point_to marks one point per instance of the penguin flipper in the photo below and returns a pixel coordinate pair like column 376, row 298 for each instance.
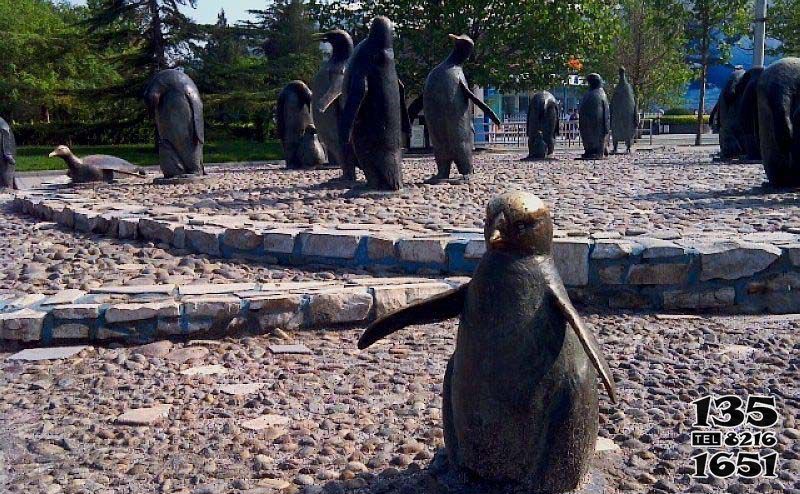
column 414, row 108
column 197, row 116
column 444, row 306
column 480, row 104
column 335, row 84
column 356, row 92
column 585, row 335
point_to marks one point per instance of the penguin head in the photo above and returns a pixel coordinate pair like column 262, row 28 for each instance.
column 622, row 74
column 60, row 152
column 518, row 222
column 381, row 32
column 341, row 42
column 595, row 81
column 462, row 48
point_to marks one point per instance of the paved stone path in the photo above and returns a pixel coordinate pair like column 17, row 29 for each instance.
column 350, row 421
column 675, row 188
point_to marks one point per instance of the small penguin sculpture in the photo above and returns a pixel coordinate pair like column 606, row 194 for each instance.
column 594, row 120
column 542, row 120
column 779, row 122
column 624, row 113
column 96, row 167
column 8, row 157
column 520, row 400
column 374, row 115
column 327, row 89
column 173, row 99
column 446, row 101
column 538, row 148
column 730, row 146
column 301, row 147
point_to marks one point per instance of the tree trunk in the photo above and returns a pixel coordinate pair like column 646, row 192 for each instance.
column 44, row 112
column 701, row 107
column 159, row 51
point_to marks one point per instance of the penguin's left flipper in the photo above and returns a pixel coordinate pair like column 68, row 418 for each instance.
column 444, row 306
column 335, row 85
column 585, row 335
column 480, row 104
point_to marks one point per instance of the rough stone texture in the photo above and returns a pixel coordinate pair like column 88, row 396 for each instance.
column 422, row 250
column 339, row 307
column 381, row 247
column 475, row 249
column 734, row 260
column 76, row 311
column 391, row 298
column 141, row 311
column 612, row 249
column 71, row 331
column 280, row 241
column 572, row 260
column 211, row 306
column 278, row 311
column 334, row 245
column 706, row 299
column 144, row 416
column 658, row 274
column 55, row 353
column 204, row 239
column 655, row 248
column 24, row 325
column 242, row 238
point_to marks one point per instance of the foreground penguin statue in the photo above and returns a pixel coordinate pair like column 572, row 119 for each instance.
column 374, row 115
column 624, row 113
column 174, row 100
column 446, row 101
column 779, row 121
column 729, row 145
column 96, row 167
column 301, row 147
column 520, row 401
column 327, row 88
column 747, row 113
column 542, row 119
column 594, row 120
column 8, row 157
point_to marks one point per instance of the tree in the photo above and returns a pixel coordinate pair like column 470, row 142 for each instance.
column 712, row 27
column 783, row 24
column 518, row 45
column 650, row 45
column 46, row 61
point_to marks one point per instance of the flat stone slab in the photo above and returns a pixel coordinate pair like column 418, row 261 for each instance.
column 265, row 421
column 605, row 445
column 205, row 370
column 290, row 350
column 54, row 353
column 144, row 416
column 241, row 389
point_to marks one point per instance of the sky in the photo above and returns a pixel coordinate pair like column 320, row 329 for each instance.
column 207, row 10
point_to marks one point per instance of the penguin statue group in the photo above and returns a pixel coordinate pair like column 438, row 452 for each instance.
column 520, row 400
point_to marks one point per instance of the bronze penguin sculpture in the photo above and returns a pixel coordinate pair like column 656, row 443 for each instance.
column 520, row 401
column 8, row 157
column 298, row 135
column 779, row 121
column 729, row 144
column 327, row 88
column 446, row 102
column 747, row 113
column 543, row 119
column 174, row 100
column 95, row 167
column 624, row 113
column 595, row 119
column 374, row 115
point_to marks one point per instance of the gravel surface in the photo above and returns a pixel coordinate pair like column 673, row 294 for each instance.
column 350, row 421
column 44, row 258
column 672, row 188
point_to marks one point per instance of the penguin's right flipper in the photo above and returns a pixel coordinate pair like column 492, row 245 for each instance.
column 356, row 93
column 480, row 104
column 414, row 108
column 335, row 84
column 444, row 306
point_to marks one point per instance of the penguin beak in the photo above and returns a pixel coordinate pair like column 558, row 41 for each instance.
column 52, row 155
column 498, row 225
column 452, row 37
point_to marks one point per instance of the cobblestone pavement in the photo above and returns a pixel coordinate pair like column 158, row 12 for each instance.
column 340, row 420
column 40, row 257
column 670, row 188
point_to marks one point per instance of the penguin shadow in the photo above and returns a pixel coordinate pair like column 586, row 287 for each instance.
column 755, row 197
column 533, row 159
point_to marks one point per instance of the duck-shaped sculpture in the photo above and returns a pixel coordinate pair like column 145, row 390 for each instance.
column 95, row 168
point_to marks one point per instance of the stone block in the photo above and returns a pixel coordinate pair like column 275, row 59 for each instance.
column 475, row 249
column 779, row 294
column 64, row 217
column 390, row 298
column 144, row 416
column 211, row 306
column 277, row 311
column 64, row 297
column 700, row 299
column 628, row 300
column 344, row 306
column 734, row 260
column 658, row 274
column 141, row 311
column 381, row 247
column 216, row 288
column 86, row 220
column 612, row 275
column 71, row 331
column 170, row 327
column 204, row 239
column 655, row 248
column 76, row 311
column 279, row 241
column 23, row 325
column 423, row 250
column 613, row 249
column 792, row 251
column 53, row 353
column 572, row 260
column 334, row 245
column 128, row 228
column 158, row 231
column 242, row 239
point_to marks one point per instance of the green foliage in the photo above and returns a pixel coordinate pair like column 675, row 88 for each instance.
column 30, row 158
column 518, row 45
column 679, row 111
column 650, row 45
column 784, row 24
column 46, row 61
column 682, row 119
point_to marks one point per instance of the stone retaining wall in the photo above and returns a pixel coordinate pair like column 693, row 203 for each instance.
column 143, row 313
column 742, row 274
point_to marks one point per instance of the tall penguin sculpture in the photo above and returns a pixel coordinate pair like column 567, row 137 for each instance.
column 624, row 113
column 594, row 120
column 327, row 87
column 520, row 401
column 446, row 101
column 779, row 121
column 747, row 113
column 729, row 143
column 542, row 120
column 374, row 115
column 8, row 157
column 174, row 100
